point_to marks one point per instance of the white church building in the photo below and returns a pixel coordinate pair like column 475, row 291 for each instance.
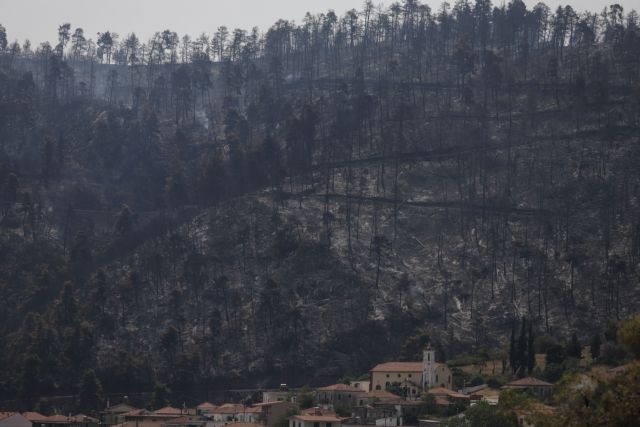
column 412, row 377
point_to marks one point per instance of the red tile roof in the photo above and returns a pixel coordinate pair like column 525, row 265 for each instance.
column 317, row 411
column 232, row 408
column 206, row 406
column 441, row 391
column 399, row 367
column 33, row 416
column 4, row 415
column 527, row 382
column 168, row 410
column 339, row 387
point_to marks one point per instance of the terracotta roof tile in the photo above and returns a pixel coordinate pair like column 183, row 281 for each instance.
column 4, row 415
column 528, row 382
column 206, row 406
column 317, row 411
column 441, row 391
column 231, row 408
column 33, row 416
column 398, row 367
column 168, row 410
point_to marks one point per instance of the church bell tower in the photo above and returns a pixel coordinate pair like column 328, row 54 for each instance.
column 428, row 368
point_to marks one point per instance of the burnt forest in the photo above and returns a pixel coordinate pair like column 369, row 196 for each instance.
column 299, row 203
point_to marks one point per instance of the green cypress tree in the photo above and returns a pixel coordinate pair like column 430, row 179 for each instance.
column 513, row 361
column 90, row 392
column 531, row 350
column 521, row 349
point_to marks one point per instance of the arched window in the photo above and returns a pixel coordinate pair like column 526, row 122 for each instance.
column 378, row 387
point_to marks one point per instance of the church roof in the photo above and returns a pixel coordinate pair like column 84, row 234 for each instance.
column 398, row 367
column 339, row 387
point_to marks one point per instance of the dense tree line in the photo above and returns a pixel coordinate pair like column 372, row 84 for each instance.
column 248, row 204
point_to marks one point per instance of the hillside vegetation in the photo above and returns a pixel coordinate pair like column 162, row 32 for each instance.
column 246, row 209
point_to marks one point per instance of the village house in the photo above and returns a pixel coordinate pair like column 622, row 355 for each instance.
column 33, row 416
column 540, row 388
column 115, row 414
column 185, row 421
column 315, row 419
column 381, row 407
column 270, row 413
column 233, row 412
column 146, row 418
column 482, row 392
column 278, row 395
column 337, row 395
column 13, row 419
column 364, row 385
column 205, row 408
column 445, row 397
column 412, row 377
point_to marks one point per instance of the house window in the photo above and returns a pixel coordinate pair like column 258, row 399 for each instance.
column 378, row 387
column 413, row 391
column 328, row 425
column 387, row 384
column 409, row 375
column 316, row 424
column 399, row 375
column 387, row 375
